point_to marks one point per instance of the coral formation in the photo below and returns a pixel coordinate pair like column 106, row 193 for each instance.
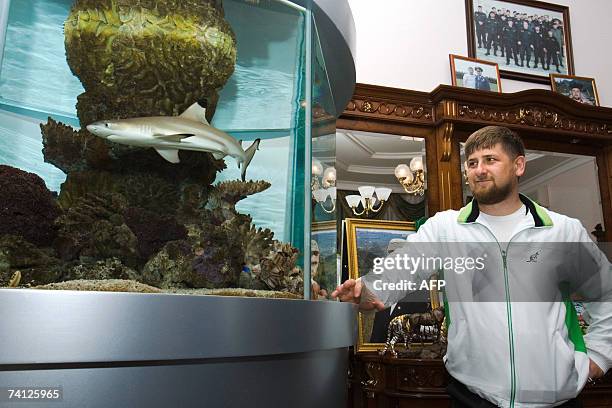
column 147, row 57
column 153, row 230
column 125, row 217
column 256, row 242
column 35, row 265
column 70, row 150
column 278, row 271
column 94, row 227
column 27, row 207
column 225, row 195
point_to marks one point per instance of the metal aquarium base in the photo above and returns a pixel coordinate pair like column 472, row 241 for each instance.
column 148, row 350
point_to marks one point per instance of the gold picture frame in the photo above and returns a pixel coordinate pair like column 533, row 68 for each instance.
column 366, row 239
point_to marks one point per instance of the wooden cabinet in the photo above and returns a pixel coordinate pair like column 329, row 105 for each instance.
column 376, row 382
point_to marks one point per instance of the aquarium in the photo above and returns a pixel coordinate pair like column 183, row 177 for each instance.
column 166, row 146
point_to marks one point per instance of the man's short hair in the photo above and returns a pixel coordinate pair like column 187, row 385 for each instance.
column 489, row 136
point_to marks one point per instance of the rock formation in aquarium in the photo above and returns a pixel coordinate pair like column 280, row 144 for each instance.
column 126, row 218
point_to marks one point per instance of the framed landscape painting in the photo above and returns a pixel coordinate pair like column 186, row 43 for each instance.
column 528, row 39
column 369, row 239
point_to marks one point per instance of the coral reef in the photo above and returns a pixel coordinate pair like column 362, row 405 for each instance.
column 256, row 242
column 27, row 207
column 153, row 230
column 278, row 271
column 225, row 195
column 212, row 259
column 147, row 57
column 172, row 267
column 125, row 217
column 35, row 265
column 71, row 150
column 94, row 227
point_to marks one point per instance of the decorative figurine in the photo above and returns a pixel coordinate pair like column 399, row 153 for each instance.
column 169, row 134
column 414, row 326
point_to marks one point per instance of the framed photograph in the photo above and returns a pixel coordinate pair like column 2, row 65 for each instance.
column 323, row 256
column 475, row 74
column 579, row 89
column 369, row 239
column 528, row 39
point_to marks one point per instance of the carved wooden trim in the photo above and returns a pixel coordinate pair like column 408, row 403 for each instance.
column 532, row 115
column 390, row 110
column 446, row 137
column 414, row 378
column 373, row 379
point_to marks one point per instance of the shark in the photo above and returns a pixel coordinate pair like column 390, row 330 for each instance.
column 168, row 134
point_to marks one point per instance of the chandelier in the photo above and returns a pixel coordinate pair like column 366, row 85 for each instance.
column 371, row 199
column 323, row 186
column 412, row 178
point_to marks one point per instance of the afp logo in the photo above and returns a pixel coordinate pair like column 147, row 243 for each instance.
column 533, row 258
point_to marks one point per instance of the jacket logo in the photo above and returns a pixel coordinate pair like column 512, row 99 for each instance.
column 534, row 257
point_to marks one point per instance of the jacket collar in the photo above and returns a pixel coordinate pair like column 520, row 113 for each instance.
column 470, row 212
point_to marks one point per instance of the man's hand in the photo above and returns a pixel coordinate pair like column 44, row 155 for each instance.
column 594, row 371
column 351, row 291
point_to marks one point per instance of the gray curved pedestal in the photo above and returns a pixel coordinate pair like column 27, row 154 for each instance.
column 149, row 350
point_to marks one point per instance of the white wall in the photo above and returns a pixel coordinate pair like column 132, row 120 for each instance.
column 575, row 193
column 405, row 43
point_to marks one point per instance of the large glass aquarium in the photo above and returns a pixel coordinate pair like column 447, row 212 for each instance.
column 168, row 146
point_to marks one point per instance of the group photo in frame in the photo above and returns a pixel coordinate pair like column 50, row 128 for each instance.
column 368, row 239
column 528, row 39
column 475, row 74
column 579, row 89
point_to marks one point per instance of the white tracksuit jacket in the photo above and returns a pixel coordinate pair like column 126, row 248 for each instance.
column 527, row 353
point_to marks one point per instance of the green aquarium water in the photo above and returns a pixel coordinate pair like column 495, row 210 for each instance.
column 96, row 209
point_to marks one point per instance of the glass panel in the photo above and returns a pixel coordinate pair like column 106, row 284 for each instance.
column 324, row 238
column 165, row 214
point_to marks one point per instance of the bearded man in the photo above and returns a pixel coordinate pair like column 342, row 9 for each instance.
column 513, row 336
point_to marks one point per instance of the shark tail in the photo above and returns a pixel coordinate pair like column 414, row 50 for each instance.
column 250, row 152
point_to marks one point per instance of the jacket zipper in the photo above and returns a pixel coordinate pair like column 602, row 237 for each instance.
column 504, row 254
column 510, row 333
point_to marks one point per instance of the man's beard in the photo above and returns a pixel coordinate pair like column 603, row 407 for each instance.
column 492, row 195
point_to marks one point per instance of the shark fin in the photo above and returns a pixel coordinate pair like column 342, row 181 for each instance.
column 250, row 152
column 196, row 113
column 174, row 138
column 169, row 154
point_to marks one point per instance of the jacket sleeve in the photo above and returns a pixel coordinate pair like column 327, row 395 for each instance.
column 595, row 276
column 396, row 274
